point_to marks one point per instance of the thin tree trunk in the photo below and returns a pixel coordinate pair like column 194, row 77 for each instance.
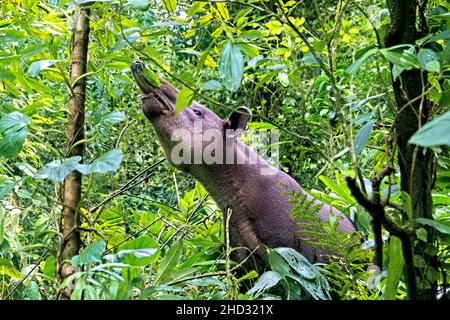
column 71, row 194
column 416, row 164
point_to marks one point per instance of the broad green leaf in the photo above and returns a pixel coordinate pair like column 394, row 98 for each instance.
column 438, row 199
column 139, row 4
column 439, row 226
column 50, row 267
column 231, row 66
column 421, row 234
column 32, row 292
column 223, row 11
column 13, row 131
column 297, row 262
column 362, row 137
column 249, row 49
column 356, row 65
column 5, row 74
column 259, row 126
column 139, row 252
column 137, row 257
column 341, row 190
column 277, row 263
column 170, row 5
column 169, row 262
column 92, row 253
column 115, row 117
column 184, row 99
column 267, row 280
column 313, row 288
column 401, row 57
column 12, row 35
column 107, row 162
column 7, row 269
column 433, row 133
column 6, row 186
column 429, row 60
column 444, row 35
column 38, row 66
column 395, row 268
column 32, row 50
column 274, row 26
column 58, row 170
column 212, row 85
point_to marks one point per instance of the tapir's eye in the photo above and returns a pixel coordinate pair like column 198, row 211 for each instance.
column 197, row 112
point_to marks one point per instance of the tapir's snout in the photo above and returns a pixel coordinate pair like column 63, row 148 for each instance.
column 156, row 101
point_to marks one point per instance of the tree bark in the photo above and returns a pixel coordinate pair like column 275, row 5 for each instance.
column 71, row 243
column 416, row 164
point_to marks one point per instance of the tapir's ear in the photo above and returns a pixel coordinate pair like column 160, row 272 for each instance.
column 237, row 121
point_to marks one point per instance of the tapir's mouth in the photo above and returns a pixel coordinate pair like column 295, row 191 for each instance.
column 156, row 101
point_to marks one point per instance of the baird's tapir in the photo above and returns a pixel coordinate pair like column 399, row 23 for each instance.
column 257, row 195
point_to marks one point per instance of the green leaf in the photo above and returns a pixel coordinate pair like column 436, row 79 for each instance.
column 249, row 49
column 38, row 66
column 170, row 5
column 223, row 10
column 50, row 267
column 115, row 117
column 444, row 35
column 267, row 280
column 212, row 85
column 32, row 292
column 421, row 234
column 5, row 74
column 401, row 57
column 92, row 253
column 139, row 4
column 12, row 35
column 339, row 189
column 363, row 136
column 407, row 204
column 7, row 269
column 438, row 199
column 297, row 262
column 277, row 263
column 184, row 99
column 231, row 66
column 429, row 60
column 13, row 131
column 433, row 133
column 139, row 252
column 107, row 162
column 356, row 65
column 439, row 226
column 6, row 186
column 395, row 268
column 313, row 288
column 57, row 170
column 169, row 262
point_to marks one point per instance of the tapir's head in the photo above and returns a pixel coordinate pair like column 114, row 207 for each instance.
column 194, row 135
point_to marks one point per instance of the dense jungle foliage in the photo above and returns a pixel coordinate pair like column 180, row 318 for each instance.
column 358, row 90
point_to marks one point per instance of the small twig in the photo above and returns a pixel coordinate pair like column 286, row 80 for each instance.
column 122, row 133
column 132, row 235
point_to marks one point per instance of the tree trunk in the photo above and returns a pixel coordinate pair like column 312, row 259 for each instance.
column 416, row 164
column 71, row 194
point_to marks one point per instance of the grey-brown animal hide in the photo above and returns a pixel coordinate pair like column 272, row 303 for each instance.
column 260, row 204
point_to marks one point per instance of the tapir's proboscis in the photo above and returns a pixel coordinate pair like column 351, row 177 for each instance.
column 257, row 195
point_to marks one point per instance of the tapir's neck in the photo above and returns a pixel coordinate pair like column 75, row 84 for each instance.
column 231, row 185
